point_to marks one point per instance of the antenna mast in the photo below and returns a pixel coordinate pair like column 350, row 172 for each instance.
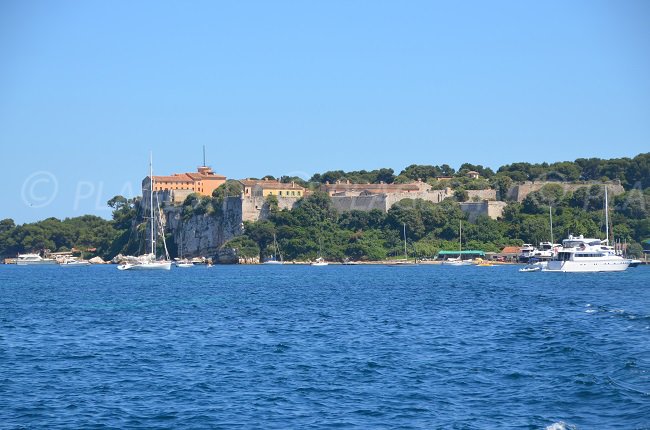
column 606, row 217
column 204, row 156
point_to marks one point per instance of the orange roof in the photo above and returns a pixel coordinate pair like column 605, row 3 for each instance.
column 511, row 250
column 176, row 177
column 187, row 177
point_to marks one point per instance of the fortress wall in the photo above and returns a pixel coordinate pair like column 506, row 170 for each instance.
column 520, row 191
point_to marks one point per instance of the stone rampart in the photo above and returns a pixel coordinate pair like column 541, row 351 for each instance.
column 492, row 209
column 519, row 192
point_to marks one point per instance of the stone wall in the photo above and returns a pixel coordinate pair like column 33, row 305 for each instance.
column 383, row 202
column 257, row 208
column 479, row 195
column 361, row 203
column 493, row 209
column 204, row 234
column 520, row 191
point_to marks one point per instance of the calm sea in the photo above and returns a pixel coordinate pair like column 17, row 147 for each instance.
column 324, row 347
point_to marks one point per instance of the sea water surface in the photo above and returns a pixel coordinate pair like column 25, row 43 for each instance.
column 323, row 347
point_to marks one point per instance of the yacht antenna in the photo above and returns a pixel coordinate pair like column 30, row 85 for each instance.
column 606, row 217
column 204, row 156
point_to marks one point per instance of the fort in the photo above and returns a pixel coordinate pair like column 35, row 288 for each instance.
column 518, row 192
column 204, row 233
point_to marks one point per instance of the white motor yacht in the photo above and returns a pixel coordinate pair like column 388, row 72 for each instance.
column 580, row 254
column 33, row 259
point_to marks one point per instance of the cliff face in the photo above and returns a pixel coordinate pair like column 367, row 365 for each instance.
column 203, row 234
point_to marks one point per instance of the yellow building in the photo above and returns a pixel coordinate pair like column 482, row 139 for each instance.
column 266, row 187
column 203, row 182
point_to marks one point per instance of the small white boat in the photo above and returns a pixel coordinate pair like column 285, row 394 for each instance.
column 184, row 264
column 73, row 262
column 320, row 262
column 33, row 259
column 530, row 268
column 456, row 262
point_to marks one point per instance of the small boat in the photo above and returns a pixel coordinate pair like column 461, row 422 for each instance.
column 181, row 262
column 635, row 263
column 33, row 259
column 276, row 250
column 405, row 262
column 458, row 261
column 483, row 263
column 531, row 268
column 184, row 264
column 320, row 261
column 146, row 264
column 73, row 262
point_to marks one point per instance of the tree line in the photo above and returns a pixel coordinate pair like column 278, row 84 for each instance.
column 376, row 235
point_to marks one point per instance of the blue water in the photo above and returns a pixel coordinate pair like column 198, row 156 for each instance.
column 330, row 347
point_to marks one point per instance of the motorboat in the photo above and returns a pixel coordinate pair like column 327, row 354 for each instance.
column 73, row 262
column 545, row 251
column 526, row 252
column 456, row 262
column 580, row 254
column 184, row 263
column 33, row 259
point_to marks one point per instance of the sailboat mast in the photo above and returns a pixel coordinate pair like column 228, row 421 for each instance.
column 153, row 249
column 550, row 217
column 606, row 217
column 405, row 254
column 460, row 238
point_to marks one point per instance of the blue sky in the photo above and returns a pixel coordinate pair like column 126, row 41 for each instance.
column 87, row 89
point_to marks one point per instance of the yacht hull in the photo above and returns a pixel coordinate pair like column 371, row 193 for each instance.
column 146, row 266
column 35, row 263
column 586, row 266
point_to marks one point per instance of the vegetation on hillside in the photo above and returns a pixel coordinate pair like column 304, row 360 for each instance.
column 375, row 235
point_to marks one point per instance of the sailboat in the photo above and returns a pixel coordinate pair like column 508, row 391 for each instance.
column 458, row 261
column 320, row 261
column 276, row 251
column 148, row 261
column 183, row 262
column 406, row 261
